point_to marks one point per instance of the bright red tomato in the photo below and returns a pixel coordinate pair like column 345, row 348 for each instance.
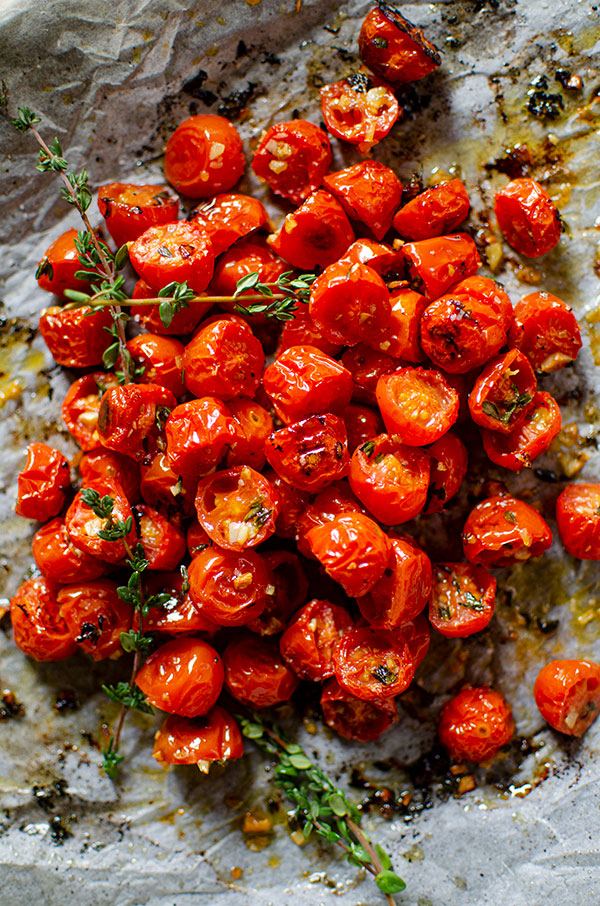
column 204, row 156
column 435, row 264
column 362, row 424
column 387, row 261
column 60, row 561
column 366, row 366
column 293, row 158
column 304, row 381
column 417, row 404
column 546, row 331
column 567, row 693
column 460, row 332
column 131, row 414
column 369, row 192
column 434, row 212
column 229, row 588
column 102, row 463
column 223, row 359
column 39, row 629
column 248, row 256
column 402, row 339
column 302, row 331
column 308, row 642
column 202, row 741
column 489, row 293
column 290, row 584
column 172, row 494
column 352, row 549
column 310, row 454
column 252, row 425
column 43, row 483
column 83, row 525
column 394, row 48
column 578, row 520
column 56, row 271
column 95, row 616
column 293, row 504
column 374, row 663
column 77, row 337
column 475, row 724
column 315, row 234
column 237, row 508
column 449, row 461
column 462, row 599
column 197, row 436
column 129, row 210
column 527, row 217
column 517, row 450
column 354, row 718
column 227, row 218
column 161, row 359
column 502, row 530
column 503, row 393
column 255, row 673
column 178, row 251
column 402, row 591
column 184, row 321
column 179, row 613
column 81, row 406
column 184, row 677
column 391, row 479
column 350, row 305
column 164, row 544
column 359, row 109
column 329, row 503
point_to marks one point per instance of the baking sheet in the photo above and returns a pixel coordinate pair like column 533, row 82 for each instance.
column 112, row 80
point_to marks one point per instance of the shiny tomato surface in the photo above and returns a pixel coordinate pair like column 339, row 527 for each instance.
column 311, row 453
column 502, row 530
column 388, row 261
column 350, row 305
column 183, row 676
column 293, row 158
column 308, row 642
column 402, row 340
column 402, row 591
column 161, row 360
column 214, row 737
column 327, row 504
column 197, row 435
column 434, row 212
column 369, row 192
column 101, row 463
column 435, row 264
column 390, row 478
column 367, row 366
column 461, row 332
column 130, row 414
column 252, row 424
column 293, row 503
column 359, row 109
column 256, row 674
column 567, row 693
column 169, row 492
column 178, row 613
column 316, row 234
column 56, row 271
column 183, row 321
column 229, row 588
column 177, row 251
column 42, row 484
column 129, row 210
column 362, row 424
column 489, row 293
column 395, row 49
column 164, row 544
column 81, row 406
column 302, row 331
column 290, row 586
column 546, row 331
column 527, row 217
column 83, row 524
column 76, row 337
column 503, row 393
column 204, row 156
column 374, row 663
column 532, row 437
column 352, row 549
column 237, row 508
column 417, row 404
column 223, row 359
column 462, row 599
column 578, row 520
column 95, row 616
column 227, row 218
column 353, row 718
column 58, row 559
column 475, row 724
column 304, row 381
column 39, row 629
column 449, row 461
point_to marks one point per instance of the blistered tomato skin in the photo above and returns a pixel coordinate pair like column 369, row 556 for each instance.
column 354, row 718
column 75, row 337
column 223, row 359
column 290, row 584
column 390, row 479
column 310, row 454
column 43, row 483
column 359, row 109
column 502, row 530
column 417, row 404
column 237, row 508
column 395, row 49
column 197, row 435
column 302, row 331
column 247, row 256
column 460, row 332
column 255, row 673
column 169, row 492
column 462, row 599
column 227, row 218
column 449, row 461
column 57, row 269
column 83, row 525
column 178, row 614
column 184, row 321
column 215, row 737
column 81, row 406
column 387, row 261
column 60, row 561
column 130, row 414
column 434, row 212
column 308, row 642
column 315, row 234
column 369, row 192
column 101, row 463
column 402, row 591
column 503, row 393
column 164, row 544
column 293, row 158
column 252, row 425
column 546, row 331
column 229, row 587
column 303, row 381
column 435, row 264
column 350, row 304
column 293, row 503
column 567, row 693
column 331, row 502
column 161, row 359
column 95, row 616
column 129, row 210
column 527, row 217
column 352, row 549
column 184, row 677
column 38, row 627
column 489, row 293
column 519, row 449
column 374, row 663
column 402, row 340
column 366, row 366
column 578, row 520
column 475, row 724
column 177, row 251
column 204, row 156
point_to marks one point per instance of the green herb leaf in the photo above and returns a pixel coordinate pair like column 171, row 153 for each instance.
column 127, row 695
column 389, row 882
column 385, row 860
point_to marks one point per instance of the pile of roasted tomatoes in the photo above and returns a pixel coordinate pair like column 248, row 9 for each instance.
column 249, row 483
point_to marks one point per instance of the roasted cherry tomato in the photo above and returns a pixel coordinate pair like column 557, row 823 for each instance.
column 303, row 381
column 460, row 333
column 316, row 234
column 402, row 339
column 183, row 321
column 517, row 450
column 449, row 460
column 435, row 264
column 215, row 737
column 462, row 599
column 387, row 261
column 366, row 366
column 184, row 677
column 223, row 359
column 502, row 530
column 60, row 561
column 248, row 256
column 362, row 424
column 161, row 359
column 197, row 436
column 171, row 493
column 229, row 588
column 368, row 192
column 227, row 218
column 178, row 613
column 83, row 524
column 359, row 109
column 578, row 520
column 503, row 393
column 38, row 627
column 374, row 663
column 489, row 293
column 56, row 271
column 390, row 478
column 352, row 549
column 546, row 331
column 293, row 504
column 177, row 251
column 293, row 158
column 475, row 724
column 301, row 330
column 350, row 305
column 77, row 337
column 130, row 414
column 204, row 156
column 434, row 212
column 43, row 483
column 102, row 463
column 129, row 210
column 417, row 404
column 394, row 48
column 237, row 508
column 403, row 590
column 252, row 426
column 95, row 616
column 308, row 642
column 311, row 453
column 255, row 673
column 567, row 693
column 329, row 503
column 291, row 586
column 164, row 544
column 353, row 718
column 197, row 539
column 81, row 406
column 527, row 217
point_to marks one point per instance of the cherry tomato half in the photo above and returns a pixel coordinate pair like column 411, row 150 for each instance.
column 237, row 508
column 293, row 158
column 223, row 359
column 215, row 737
column 177, row 251
column 304, row 381
column 354, row 718
column 475, row 724
column 184, row 677
column 434, row 212
column 517, row 450
column 131, row 414
column 129, row 210
column 255, row 673
column 359, row 109
column 374, row 663
column 578, row 520
column 311, row 453
column 567, row 693
column 42, row 484
column 39, row 629
column 368, row 192
column 95, row 616
column 229, row 588
column 204, row 156
column 503, row 393
column 350, row 304
column 546, row 331
column 502, row 530
column 308, row 642
column 390, row 478
column 462, row 599
column 394, row 48
column 352, row 549
column 528, row 218
column 315, row 234
column 417, row 404
column 402, row 591
column 227, row 218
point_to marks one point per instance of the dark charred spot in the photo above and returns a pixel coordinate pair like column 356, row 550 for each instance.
column 9, row 706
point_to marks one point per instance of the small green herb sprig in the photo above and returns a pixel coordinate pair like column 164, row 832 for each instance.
column 504, row 410
column 319, row 805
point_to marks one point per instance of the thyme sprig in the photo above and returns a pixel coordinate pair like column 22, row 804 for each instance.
column 319, row 805
column 99, row 264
